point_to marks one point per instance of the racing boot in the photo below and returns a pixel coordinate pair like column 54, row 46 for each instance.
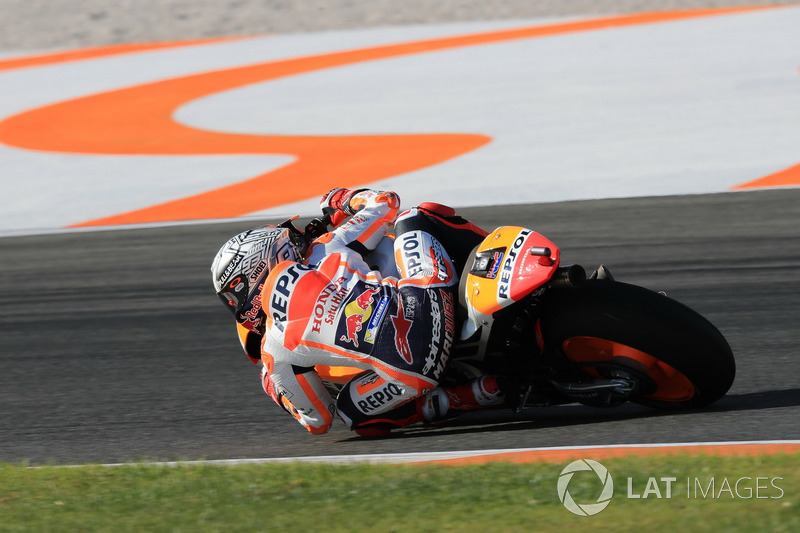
column 444, row 403
column 436, row 407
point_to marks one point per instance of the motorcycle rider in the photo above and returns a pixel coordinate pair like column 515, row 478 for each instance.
column 298, row 306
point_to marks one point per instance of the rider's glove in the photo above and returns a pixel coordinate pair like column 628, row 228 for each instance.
column 338, row 218
column 338, row 200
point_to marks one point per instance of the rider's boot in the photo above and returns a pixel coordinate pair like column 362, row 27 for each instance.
column 437, row 406
column 443, row 403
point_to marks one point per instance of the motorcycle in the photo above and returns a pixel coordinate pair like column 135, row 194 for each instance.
column 561, row 337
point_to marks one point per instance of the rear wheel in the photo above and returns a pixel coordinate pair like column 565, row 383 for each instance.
column 677, row 357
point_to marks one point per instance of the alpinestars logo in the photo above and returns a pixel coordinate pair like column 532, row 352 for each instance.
column 401, row 327
column 585, row 509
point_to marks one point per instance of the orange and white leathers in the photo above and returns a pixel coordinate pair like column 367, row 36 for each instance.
column 367, row 231
column 335, row 310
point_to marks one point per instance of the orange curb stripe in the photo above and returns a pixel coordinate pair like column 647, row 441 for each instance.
column 785, row 178
column 138, row 120
column 561, row 455
column 99, row 51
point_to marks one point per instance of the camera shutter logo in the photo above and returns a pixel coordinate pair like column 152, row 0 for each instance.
column 586, row 509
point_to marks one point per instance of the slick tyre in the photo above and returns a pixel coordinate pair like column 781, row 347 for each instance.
column 681, row 358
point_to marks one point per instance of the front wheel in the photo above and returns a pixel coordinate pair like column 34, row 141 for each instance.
column 678, row 358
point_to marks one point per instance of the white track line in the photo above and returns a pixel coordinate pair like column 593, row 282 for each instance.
column 401, row 458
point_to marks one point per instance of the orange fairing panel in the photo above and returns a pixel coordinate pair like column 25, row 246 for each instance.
column 511, row 271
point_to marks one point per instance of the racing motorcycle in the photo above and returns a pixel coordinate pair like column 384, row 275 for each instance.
column 561, row 337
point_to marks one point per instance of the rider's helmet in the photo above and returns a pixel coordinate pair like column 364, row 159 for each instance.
column 243, row 263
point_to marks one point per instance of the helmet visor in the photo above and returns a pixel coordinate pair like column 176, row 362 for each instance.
column 234, row 294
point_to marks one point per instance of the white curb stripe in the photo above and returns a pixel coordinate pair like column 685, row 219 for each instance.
column 401, row 458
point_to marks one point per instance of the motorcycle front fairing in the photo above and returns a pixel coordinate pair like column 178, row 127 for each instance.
column 511, row 263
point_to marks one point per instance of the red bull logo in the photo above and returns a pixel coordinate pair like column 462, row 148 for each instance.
column 356, row 314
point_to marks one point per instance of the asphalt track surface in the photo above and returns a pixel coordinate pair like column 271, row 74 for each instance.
column 114, row 347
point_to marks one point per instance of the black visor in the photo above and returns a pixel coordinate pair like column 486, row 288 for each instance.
column 234, row 294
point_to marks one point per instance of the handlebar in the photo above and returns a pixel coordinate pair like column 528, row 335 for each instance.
column 316, row 228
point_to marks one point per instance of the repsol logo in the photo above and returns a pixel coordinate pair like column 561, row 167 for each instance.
column 282, row 290
column 412, row 253
column 508, row 265
column 379, row 398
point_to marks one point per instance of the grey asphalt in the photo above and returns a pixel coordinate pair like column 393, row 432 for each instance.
column 114, row 348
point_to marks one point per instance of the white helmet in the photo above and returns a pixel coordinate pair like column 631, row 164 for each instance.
column 243, row 263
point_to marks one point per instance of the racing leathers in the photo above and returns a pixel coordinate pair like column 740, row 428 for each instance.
column 335, row 310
